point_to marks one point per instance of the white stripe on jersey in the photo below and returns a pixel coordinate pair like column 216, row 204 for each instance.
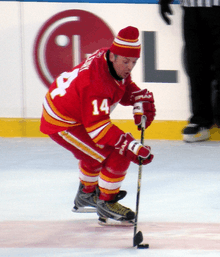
column 192, row 2
column 185, row 3
column 208, row 3
column 95, row 133
column 52, row 114
column 200, row 3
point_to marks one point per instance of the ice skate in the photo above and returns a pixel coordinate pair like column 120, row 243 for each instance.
column 85, row 202
column 195, row 133
column 112, row 213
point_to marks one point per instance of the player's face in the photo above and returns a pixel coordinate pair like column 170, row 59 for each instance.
column 123, row 65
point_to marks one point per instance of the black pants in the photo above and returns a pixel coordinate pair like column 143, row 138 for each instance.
column 202, row 46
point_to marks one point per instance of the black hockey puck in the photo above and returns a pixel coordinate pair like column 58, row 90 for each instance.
column 143, row 246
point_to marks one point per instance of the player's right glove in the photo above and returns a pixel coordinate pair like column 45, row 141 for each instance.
column 165, row 10
column 133, row 150
column 143, row 102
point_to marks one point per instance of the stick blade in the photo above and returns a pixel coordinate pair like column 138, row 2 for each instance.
column 138, row 238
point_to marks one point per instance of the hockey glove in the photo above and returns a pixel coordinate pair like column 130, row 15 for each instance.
column 143, row 102
column 165, row 10
column 133, row 150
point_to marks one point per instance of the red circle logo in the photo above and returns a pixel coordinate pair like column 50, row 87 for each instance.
column 66, row 39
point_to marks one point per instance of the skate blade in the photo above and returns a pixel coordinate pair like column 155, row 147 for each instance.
column 86, row 209
column 115, row 223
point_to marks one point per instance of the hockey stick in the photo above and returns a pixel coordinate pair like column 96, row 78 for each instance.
column 138, row 237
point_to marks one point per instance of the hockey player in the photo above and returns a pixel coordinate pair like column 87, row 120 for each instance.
column 76, row 115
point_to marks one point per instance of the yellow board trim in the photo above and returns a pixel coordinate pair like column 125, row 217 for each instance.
column 159, row 129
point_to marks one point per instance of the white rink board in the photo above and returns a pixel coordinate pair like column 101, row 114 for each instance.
column 10, row 61
column 21, row 22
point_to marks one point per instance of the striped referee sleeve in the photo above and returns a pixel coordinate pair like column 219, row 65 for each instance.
column 200, row 3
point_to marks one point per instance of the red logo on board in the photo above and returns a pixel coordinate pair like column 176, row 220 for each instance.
column 66, row 39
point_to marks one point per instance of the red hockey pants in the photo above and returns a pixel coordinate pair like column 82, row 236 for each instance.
column 102, row 166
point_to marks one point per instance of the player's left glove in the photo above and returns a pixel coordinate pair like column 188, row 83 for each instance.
column 133, row 150
column 143, row 102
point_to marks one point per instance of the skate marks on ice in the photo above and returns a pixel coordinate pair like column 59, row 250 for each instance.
column 88, row 234
column 63, row 234
column 187, row 236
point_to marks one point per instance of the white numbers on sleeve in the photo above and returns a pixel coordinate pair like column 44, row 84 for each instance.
column 95, row 107
column 103, row 107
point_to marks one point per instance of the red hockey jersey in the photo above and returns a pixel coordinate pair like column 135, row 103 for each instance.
column 87, row 95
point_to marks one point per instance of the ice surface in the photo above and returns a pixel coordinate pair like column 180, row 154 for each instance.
column 179, row 212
